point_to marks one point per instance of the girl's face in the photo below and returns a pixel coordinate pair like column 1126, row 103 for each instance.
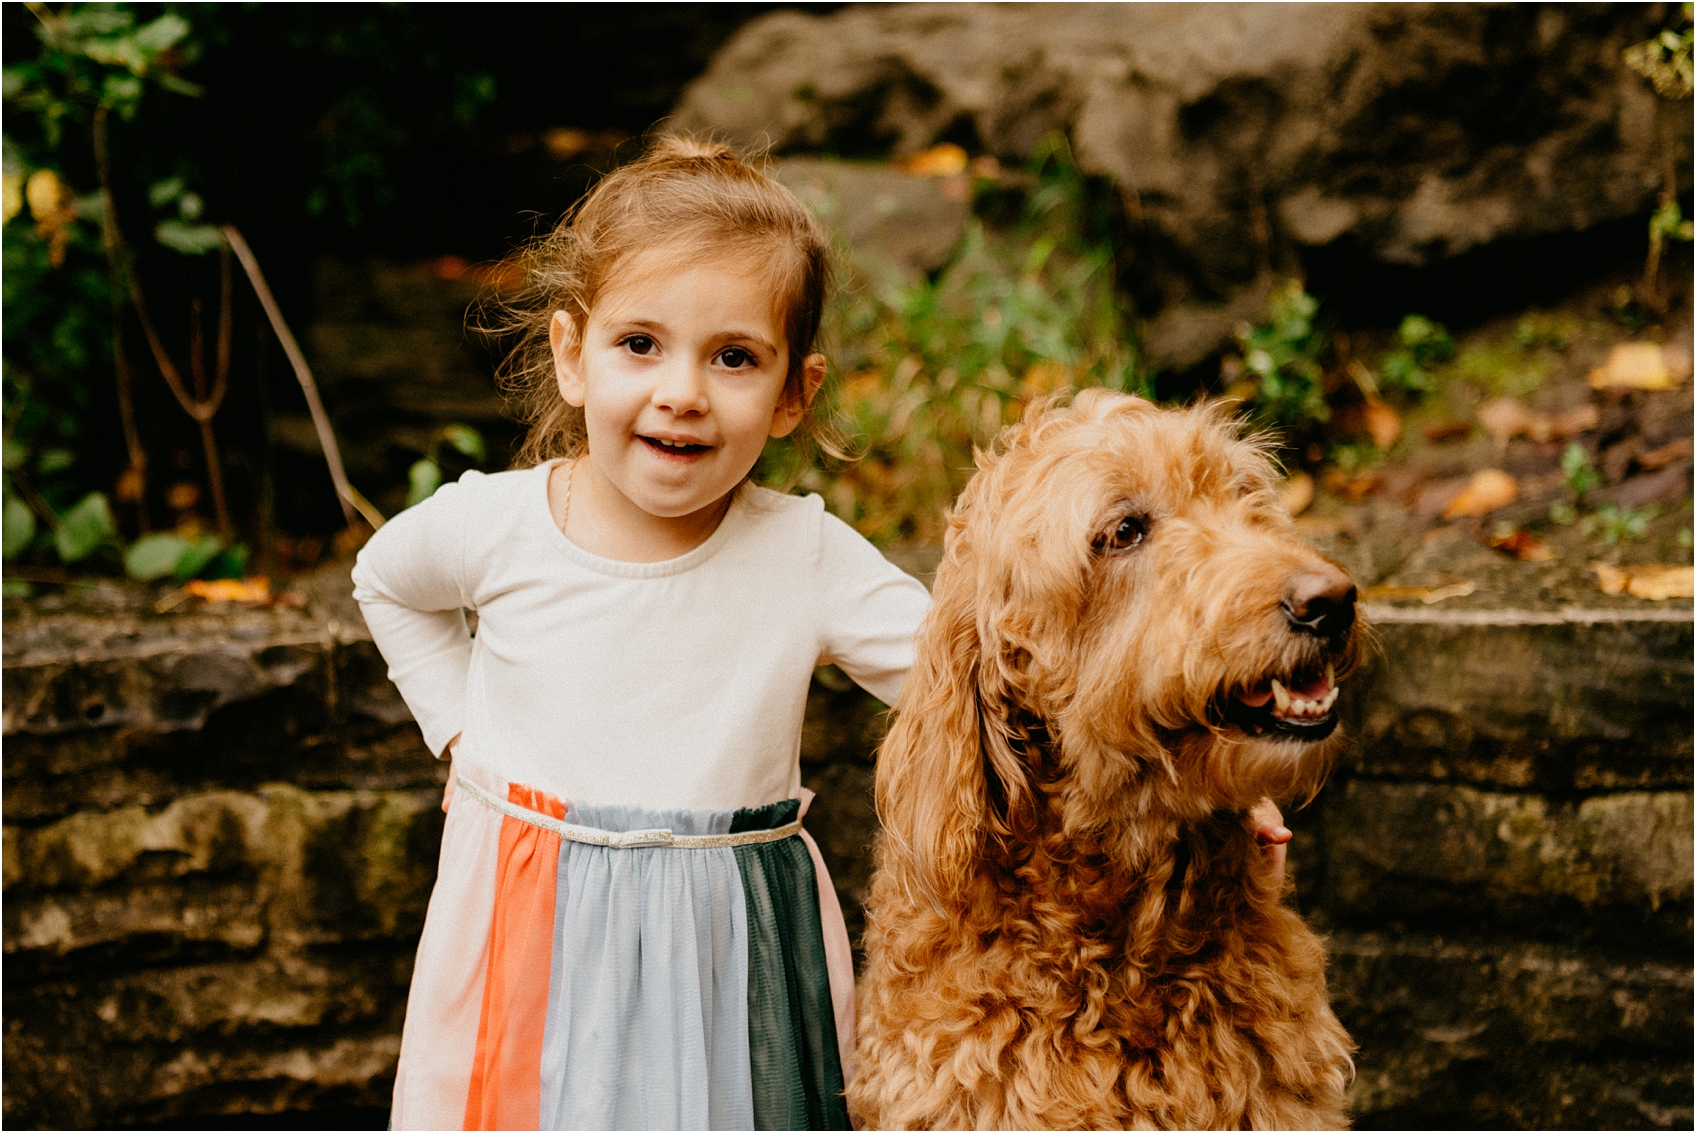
column 681, row 377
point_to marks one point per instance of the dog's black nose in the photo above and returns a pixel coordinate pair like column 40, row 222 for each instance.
column 1320, row 602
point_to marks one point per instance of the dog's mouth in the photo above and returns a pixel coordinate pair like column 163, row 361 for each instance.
column 1299, row 705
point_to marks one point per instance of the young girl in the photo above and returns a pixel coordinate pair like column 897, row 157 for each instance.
column 629, row 929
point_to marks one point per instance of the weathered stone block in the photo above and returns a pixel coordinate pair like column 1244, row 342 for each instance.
column 1433, row 853
column 1549, row 701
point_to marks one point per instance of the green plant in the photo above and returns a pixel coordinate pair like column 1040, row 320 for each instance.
column 1665, row 59
column 1421, row 346
column 182, row 558
column 425, row 475
column 1022, row 310
column 1615, row 524
column 1578, row 473
column 1282, row 356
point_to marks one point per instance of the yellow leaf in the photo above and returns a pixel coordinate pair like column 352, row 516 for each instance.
column 45, row 194
column 255, row 589
column 1633, row 365
column 1488, row 490
column 564, row 143
column 944, row 160
column 1430, row 595
column 1297, row 493
column 1384, row 423
column 1654, row 582
column 11, row 196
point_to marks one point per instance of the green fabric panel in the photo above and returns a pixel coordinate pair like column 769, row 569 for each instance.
column 797, row 1069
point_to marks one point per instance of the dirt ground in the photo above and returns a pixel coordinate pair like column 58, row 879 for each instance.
column 1517, row 393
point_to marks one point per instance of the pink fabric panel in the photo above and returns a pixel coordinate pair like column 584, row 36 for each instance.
column 838, row 953
column 439, row 1043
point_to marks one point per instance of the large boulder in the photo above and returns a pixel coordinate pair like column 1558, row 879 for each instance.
column 1241, row 134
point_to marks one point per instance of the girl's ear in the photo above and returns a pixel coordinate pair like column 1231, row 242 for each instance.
column 568, row 358
column 792, row 406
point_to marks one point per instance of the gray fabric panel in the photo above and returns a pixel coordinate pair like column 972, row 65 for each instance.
column 648, row 1002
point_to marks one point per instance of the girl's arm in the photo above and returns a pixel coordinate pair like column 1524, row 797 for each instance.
column 870, row 611
column 409, row 582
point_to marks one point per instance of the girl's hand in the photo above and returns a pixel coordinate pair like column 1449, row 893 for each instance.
column 1273, row 836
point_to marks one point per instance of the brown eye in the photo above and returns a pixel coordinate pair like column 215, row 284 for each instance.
column 1131, row 531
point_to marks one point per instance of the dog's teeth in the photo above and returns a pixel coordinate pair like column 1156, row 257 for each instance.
column 1281, row 695
column 1331, row 677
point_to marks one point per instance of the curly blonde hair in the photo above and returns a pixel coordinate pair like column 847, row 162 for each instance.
column 692, row 201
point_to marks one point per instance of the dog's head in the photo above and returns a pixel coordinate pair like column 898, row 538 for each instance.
column 1125, row 623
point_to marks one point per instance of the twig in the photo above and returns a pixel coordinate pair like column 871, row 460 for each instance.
column 197, row 365
column 202, row 408
column 351, row 500
column 120, row 358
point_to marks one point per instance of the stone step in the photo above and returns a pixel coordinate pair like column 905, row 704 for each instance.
column 221, row 828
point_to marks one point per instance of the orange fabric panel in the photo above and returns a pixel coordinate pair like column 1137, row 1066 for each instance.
column 506, row 1081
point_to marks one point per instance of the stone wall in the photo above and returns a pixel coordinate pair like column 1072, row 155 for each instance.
column 221, row 829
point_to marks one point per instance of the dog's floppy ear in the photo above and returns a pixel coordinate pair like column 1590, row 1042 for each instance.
column 935, row 795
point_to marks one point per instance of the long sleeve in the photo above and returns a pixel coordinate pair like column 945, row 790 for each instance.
column 871, row 611
column 410, row 585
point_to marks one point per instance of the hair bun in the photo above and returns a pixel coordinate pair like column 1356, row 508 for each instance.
column 683, row 147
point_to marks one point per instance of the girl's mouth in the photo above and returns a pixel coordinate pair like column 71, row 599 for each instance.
column 674, row 448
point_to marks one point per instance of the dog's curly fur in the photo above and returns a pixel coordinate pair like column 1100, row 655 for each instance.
column 1071, row 924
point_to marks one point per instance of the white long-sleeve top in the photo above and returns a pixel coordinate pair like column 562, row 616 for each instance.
column 677, row 684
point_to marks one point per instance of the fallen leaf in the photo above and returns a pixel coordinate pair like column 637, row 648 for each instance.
column 129, row 486
column 565, row 142
column 1384, row 423
column 1579, row 419
column 1297, row 493
column 1521, row 544
column 1504, row 418
column 1633, row 365
column 1655, row 582
column 944, row 160
column 1430, row 595
column 1440, row 431
column 256, row 589
column 1488, row 490
column 1355, row 487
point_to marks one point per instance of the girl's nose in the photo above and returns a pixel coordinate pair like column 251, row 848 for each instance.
column 681, row 388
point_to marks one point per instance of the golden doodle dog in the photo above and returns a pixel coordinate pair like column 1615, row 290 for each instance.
column 1071, row 925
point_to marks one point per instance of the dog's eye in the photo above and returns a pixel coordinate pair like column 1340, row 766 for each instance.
column 1129, row 533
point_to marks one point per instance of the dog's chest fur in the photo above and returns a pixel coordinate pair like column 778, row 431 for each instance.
column 1069, row 991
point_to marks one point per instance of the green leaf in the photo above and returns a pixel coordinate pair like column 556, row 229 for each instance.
column 86, row 528
column 466, row 440
column 177, row 85
column 196, row 558
column 162, row 193
column 190, row 207
column 425, row 476
column 189, row 239
column 19, row 527
column 231, row 564
column 121, row 91
column 15, row 588
column 55, row 460
column 155, row 556
column 163, row 32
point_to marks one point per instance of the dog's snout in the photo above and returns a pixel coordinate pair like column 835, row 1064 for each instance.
column 1320, row 602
